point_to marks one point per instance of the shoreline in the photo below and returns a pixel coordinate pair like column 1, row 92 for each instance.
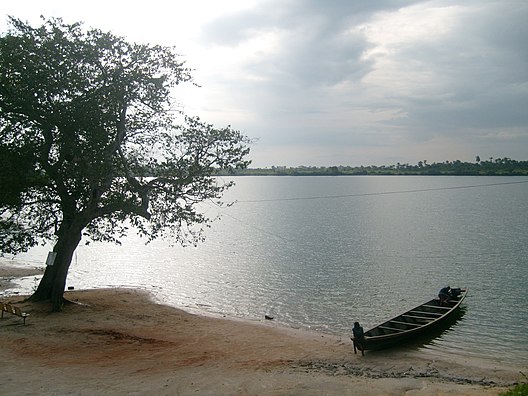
column 121, row 341
column 9, row 272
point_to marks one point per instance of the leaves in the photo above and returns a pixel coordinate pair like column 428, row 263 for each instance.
column 86, row 118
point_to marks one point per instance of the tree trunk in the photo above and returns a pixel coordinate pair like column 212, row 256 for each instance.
column 53, row 283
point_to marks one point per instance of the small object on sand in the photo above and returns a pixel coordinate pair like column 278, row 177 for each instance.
column 268, row 317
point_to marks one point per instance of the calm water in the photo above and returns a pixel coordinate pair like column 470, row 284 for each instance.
column 322, row 252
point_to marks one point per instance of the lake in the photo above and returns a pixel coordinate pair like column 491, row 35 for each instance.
column 322, row 252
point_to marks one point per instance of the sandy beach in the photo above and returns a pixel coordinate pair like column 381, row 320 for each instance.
column 118, row 341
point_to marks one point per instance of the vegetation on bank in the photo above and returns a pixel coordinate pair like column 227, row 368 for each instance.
column 492, row 167
column 519, row 390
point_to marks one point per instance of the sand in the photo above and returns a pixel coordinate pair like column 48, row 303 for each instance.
column 118, row 341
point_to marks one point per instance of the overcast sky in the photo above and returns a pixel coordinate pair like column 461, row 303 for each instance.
column 330, row 82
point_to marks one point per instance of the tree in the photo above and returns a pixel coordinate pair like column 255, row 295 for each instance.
column 91, row 145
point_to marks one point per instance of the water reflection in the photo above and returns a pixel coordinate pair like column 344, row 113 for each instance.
column 439, row 334
column 324, row 263
column 428, row 338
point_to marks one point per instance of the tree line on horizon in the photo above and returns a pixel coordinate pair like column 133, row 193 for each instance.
column 491, row 167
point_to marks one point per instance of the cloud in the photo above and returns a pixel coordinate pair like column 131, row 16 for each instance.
column 304, row 56
column 471, row 73
column 299, row 42
column 349, row 82
column 373, row 73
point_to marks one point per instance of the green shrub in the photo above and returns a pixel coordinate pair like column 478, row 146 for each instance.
column 519, row 390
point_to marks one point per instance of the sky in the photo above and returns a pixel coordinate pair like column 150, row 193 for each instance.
column 338, row 82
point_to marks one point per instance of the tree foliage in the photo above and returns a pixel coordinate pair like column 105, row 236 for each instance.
column 85, row 121
column 494, row 167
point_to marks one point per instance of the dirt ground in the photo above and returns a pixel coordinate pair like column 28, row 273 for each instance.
column 118, row 341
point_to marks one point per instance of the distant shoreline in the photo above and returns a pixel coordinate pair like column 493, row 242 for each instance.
column 9, row 272
column 268, row 172
column 497, row 167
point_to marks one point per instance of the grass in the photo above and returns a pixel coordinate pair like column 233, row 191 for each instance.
column 519, row 390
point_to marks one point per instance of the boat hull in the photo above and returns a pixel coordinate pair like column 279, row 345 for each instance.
column 413, row 324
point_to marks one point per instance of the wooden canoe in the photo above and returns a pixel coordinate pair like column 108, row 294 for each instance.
column 411, row 324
